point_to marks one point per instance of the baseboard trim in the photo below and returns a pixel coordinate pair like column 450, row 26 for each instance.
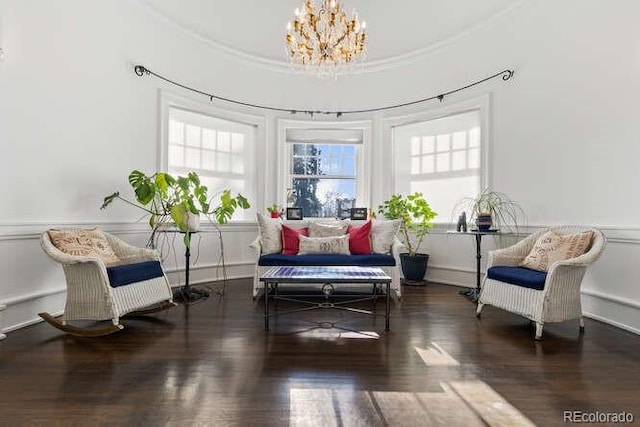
column 612, row 298
column 210, row 265
column 33, row 296
column 612, row 322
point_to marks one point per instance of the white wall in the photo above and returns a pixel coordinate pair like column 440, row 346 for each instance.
column 75, row 120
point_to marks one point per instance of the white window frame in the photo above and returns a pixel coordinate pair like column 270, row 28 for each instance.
column 481, row 104
column 363, row 156
column 169, row 100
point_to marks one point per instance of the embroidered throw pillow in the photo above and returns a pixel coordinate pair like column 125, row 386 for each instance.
column 551, row 247
column 270, row 234
column 324, row 245
column 86, row 242
column 382, row 235
column 318, row 229
column 291, row 239
column 360, row 239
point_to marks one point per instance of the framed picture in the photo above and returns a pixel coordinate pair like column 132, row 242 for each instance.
column 358, row 213
column 294, row 213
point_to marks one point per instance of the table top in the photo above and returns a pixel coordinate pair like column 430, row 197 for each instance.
column 475, row 231
column 321, row 274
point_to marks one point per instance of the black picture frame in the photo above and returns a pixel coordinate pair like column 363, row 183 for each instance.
column 294, row 214
column 358, row 213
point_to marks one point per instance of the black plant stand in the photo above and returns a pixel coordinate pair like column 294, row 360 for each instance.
column 187, row 293
column 474, row 293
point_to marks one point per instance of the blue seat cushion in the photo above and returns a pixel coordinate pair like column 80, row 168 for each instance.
column 368, row 260
column 121, row 275
column 519, row 276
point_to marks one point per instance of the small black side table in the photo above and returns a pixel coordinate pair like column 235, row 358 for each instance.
column 186, row 293
column 474, row 293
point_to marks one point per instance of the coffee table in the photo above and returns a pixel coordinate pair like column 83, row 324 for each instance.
column 327, row 277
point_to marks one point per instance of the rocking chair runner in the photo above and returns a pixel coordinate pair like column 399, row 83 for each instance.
column 96, row 291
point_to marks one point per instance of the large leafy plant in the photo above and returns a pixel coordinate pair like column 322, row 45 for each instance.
column 167, row 198
column 416, row 215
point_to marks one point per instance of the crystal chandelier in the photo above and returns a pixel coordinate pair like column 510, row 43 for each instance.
column 324, row 39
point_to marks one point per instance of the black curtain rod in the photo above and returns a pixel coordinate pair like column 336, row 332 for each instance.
column 141, row 70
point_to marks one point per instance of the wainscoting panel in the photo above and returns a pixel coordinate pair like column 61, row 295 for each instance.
column 33, row 283
column 610, row 291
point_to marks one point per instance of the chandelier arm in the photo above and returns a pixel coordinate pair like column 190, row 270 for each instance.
column 141, row 70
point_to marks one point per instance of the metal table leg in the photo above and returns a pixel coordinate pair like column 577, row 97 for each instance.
column 266, row 306
column 386, row 323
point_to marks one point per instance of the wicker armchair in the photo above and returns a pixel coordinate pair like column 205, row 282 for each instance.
column 559, row 300
column 91, row 296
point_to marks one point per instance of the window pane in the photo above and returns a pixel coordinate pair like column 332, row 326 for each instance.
column 415, row 166
column 428, row 164
column 474, row 158
column 459, row 140
column 442, row 162
column 193, row 136
column 349, row 166
column 311, row 166
column 459, row 160
column 209, row 139
column 336, row 150
column 237, row 142
column 224, row 141
column 474, row 137
column 349, row 150
column 209, row 160
column 223, row 162
column 299, row 149
column 428, row 144
column 324, row 197
column 415, row 145
column 176, row 155
column 323, row 150
column 298, row 166
column 324, row 166
column 443, row 142
column 176, row 132
column 193, row 158
column 237, row 163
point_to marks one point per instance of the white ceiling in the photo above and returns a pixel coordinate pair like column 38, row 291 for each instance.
column 256, row 28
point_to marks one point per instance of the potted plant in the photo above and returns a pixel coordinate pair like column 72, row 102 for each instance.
column 274, row 210
column 491, row 210
column 179, row 199
column 417, row 220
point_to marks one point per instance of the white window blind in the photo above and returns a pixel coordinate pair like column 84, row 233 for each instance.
column 441, row 158
column 220, row 151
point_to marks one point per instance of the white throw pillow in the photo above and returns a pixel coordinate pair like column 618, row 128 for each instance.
column 382, row 235
column 270, row 234
column 318, row 229
column 324, row 245
column 552, row 247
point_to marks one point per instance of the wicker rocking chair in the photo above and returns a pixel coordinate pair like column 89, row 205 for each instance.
column 559, row 297
column 97, row 292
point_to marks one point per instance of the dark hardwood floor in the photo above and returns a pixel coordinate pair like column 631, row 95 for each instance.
column 212, row 363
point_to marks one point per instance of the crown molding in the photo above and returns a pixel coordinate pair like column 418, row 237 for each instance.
column 282, row 66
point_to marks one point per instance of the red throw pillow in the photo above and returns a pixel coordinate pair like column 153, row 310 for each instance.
column 290, row 239
column 359, row 239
